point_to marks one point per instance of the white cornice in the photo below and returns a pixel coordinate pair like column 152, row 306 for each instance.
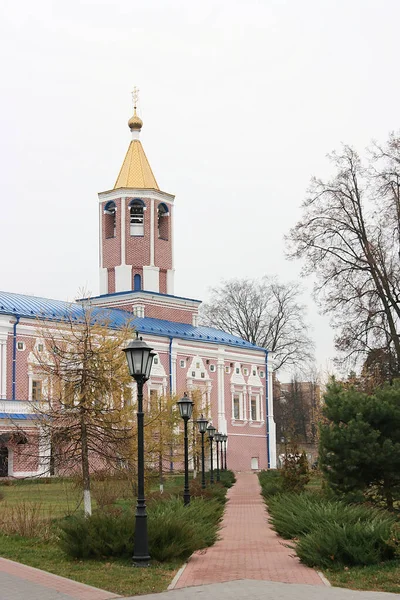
column 140, row 193
column 146, row 298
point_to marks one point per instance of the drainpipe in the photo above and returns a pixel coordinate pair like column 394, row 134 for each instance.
column 171, row 339
column 14, row 357
column 266, row 410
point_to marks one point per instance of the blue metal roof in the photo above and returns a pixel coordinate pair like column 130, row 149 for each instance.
column 35, row 307
column 18, row 416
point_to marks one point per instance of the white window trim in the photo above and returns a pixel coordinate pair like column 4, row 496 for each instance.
column 242, row 420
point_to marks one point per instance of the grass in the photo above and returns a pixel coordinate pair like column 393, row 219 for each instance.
column 116, row 576
column 384, row 577
column 63, row 497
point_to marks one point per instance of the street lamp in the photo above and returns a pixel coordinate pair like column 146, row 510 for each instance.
column 222, row 452
column 140, row 359
column 211, row 431
column 225, row 440
column 185, row 408
column 217, row 438
column 202, row 425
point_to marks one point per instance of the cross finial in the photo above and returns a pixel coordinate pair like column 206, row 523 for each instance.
column 135, row 97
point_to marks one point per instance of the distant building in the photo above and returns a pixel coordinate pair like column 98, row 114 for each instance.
column 136, row 231
column 297, row 410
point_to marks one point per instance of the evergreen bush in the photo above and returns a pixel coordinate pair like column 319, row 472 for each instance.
column 295, row 515
column 271, row 483
column 174, row 530
column 334, row 545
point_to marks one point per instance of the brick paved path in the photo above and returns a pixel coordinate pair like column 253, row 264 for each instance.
column 248, row 548
column 20, row 582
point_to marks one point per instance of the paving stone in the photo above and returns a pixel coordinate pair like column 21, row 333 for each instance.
column 249, row 548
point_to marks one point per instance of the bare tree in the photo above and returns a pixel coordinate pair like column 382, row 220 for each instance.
column 349, row 237
column 85, row 410
column 266, row 313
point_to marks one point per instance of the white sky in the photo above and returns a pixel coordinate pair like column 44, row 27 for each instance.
column 241, row 101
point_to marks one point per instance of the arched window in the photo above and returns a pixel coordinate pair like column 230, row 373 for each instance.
column 137, row 283
column 163, row 221
column 136, row 211
column 110, row 219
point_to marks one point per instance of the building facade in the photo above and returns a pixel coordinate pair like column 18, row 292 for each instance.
column 136, row 257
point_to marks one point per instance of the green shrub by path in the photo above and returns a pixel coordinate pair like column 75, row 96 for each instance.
column 293, row 515
column 174, row 530
column 103, row 534
column 227, row 478
column 271, row 483
column 331, row 533
column 334, row 545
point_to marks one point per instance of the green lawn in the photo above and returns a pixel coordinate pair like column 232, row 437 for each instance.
column 378, row 578
column 119, row 577
column 58, row 498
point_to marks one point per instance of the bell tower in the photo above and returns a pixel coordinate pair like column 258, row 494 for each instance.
column 136, row 225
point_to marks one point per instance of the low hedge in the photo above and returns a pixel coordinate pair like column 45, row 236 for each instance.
column 334, row 545
column 331, row 533
column 174, row 530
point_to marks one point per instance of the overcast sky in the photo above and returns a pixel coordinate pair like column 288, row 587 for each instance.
column 241, row 101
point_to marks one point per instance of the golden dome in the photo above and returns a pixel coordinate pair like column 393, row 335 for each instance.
column 135, row 123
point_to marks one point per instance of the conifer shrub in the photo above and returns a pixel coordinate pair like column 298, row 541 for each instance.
column 334, row 545
column 174, row 530
column 227, row 478
column 295, row 515
column 104, row 534
column 271, row 483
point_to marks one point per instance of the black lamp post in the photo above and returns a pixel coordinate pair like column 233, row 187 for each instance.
column 140, row 359
column 185, row 408
column 202, row 425
column 211, row 431
column 222, row 451
column 225, row 440
column 217, row 438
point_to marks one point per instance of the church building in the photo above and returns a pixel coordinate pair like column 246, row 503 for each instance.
column 136, row 254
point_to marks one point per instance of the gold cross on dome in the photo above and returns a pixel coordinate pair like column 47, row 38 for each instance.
column 135, row 96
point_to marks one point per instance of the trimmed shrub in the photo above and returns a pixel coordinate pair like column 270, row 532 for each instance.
column 227, row 478
column 335, row 545
column 294, row 515
column 271, row 483
column 106, row 533
column 175, row 530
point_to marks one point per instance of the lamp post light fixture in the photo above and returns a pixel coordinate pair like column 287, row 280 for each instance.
column 225, row 440
column 185, row 408
column 202, row 425
column 211, row 432
column 217, row 438
column 140, row 359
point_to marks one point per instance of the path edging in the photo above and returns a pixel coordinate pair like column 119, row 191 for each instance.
column 324, row 579
column 176, row 577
